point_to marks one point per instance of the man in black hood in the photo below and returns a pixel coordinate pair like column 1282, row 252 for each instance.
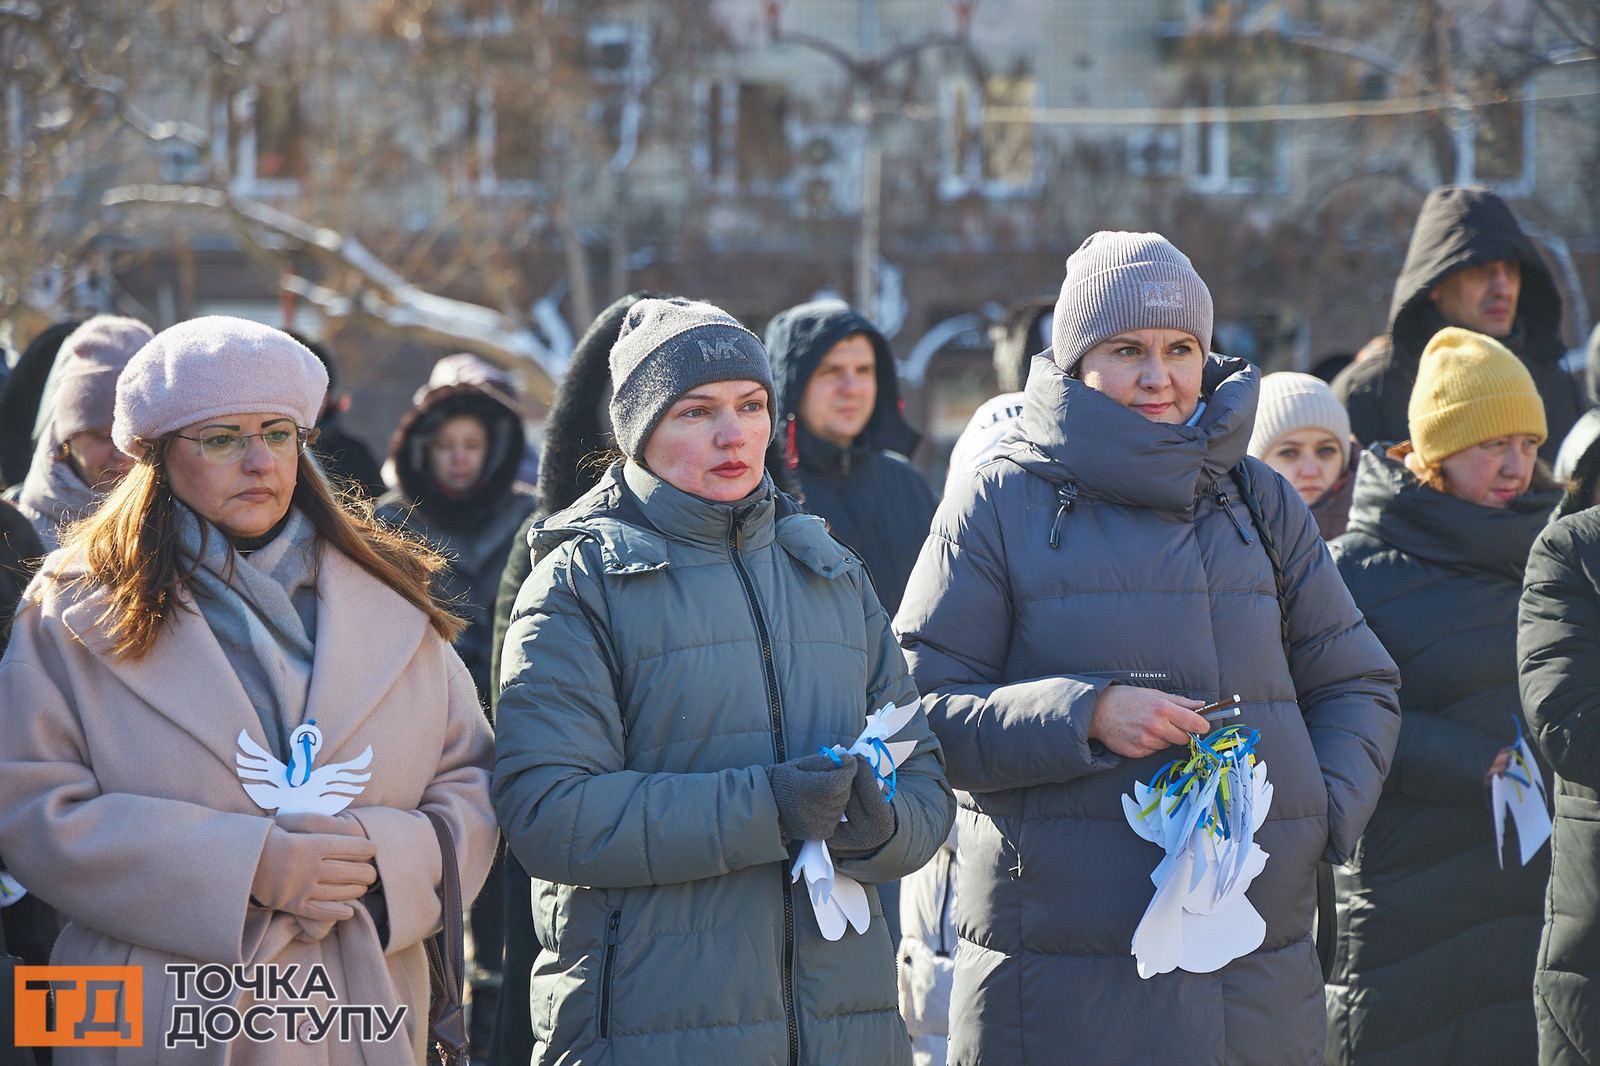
column 1469, row 265
column 842, row 435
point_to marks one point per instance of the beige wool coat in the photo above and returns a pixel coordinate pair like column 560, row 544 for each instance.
column 121, row 806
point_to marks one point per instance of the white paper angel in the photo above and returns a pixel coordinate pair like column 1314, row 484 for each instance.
column 837, row 899
column 298, row 788
column 1518, row 792
column 1199, row 919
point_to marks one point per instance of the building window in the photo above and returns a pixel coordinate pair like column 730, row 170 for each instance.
column 1155, row 152
column 267, row 140
column 987, row 142
column 1495, row 146
column 1235, row 157
column 502, row 141
column 744, row 140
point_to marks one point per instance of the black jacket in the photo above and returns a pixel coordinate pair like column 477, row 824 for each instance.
column 1558, row 642
column 20, row 398
column 874, row 501
column 1458, row 227
column 1435, row 942
column 346, row 458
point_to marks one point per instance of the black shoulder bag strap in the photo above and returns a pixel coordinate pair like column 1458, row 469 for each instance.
column 1326, row 914
column 447, row 1027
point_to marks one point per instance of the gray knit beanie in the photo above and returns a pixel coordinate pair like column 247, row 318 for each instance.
column 1290, row 402
column 668, row 347
column 1120, row 281
column 213, row 366
column 91, row 358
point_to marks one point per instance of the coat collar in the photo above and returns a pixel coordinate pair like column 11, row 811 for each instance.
column 1393, row 507
column 186, row 676
column 620, row 512
column 1071, row 432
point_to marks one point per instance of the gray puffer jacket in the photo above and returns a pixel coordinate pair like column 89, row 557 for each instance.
column 1100, row 547
column 1558, row 648
column 661, row 654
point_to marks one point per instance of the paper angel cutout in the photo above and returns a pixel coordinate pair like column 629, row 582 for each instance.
column 1519, row 793
column 837, row 899
column 297, row 788
column 1204, row 813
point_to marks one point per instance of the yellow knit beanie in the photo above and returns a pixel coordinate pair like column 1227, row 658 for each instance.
column 1470, row 389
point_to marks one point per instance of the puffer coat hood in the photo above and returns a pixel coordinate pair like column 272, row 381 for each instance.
column 408, row 452
column 1460, row 226
column 1436, row 941
column 1558, row 649
column 796, row 341
column 1097, row 548
column 664, row 650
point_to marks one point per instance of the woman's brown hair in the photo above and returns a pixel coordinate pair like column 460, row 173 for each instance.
column 130, row 548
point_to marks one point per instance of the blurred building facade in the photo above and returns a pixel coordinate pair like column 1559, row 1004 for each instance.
column 530, row 161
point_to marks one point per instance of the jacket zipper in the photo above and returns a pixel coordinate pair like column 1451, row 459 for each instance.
column 605, row 974
column 1222, row 502
column 1067, row 498
column 944, row 905
column 779, row 754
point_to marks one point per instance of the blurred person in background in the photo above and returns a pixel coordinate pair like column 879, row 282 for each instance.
column 1303, row 433
column 1435, row 938
column 343, row 456
column 76, row 463
column 1021, row 335
column 21, row 397
column 455, row 457
column 1469, row 265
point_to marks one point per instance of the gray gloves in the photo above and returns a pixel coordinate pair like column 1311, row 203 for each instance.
column 811, row 792
column 869, row 817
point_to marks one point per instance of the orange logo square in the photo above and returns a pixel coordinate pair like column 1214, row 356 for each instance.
column 92, row 1006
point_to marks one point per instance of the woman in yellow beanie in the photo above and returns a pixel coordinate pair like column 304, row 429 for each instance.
column 1436, row 939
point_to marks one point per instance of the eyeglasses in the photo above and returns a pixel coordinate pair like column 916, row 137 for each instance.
column 222, row 448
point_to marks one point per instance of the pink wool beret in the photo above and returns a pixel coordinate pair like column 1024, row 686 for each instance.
column 212, row 366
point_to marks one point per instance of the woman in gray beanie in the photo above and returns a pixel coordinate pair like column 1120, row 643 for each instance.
column 76, row 463
column 228, row 706
column 1116, row 566
column 687, row 641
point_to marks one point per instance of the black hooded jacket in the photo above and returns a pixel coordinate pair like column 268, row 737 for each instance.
column 1460, row 226
column 874, row 501
column 20, row 399
column 475, row 531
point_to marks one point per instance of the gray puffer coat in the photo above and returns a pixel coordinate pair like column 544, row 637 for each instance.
column 661, row 654
column 1100, row 547
column 1558, row 646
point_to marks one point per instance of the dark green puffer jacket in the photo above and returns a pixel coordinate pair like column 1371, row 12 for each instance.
column 1558, row 643
column 661, row 654
column 1435, row 941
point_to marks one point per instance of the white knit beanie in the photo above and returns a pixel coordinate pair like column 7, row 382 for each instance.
column 91, row 358
column 1120, row 281
column 213, row 366
column 1291, row 402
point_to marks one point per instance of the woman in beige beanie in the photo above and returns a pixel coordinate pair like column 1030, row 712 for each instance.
column 228, row 706
column 1440, row 532
column 1303, row 432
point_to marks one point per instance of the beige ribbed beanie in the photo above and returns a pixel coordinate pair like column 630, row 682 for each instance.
column 1290, row 402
